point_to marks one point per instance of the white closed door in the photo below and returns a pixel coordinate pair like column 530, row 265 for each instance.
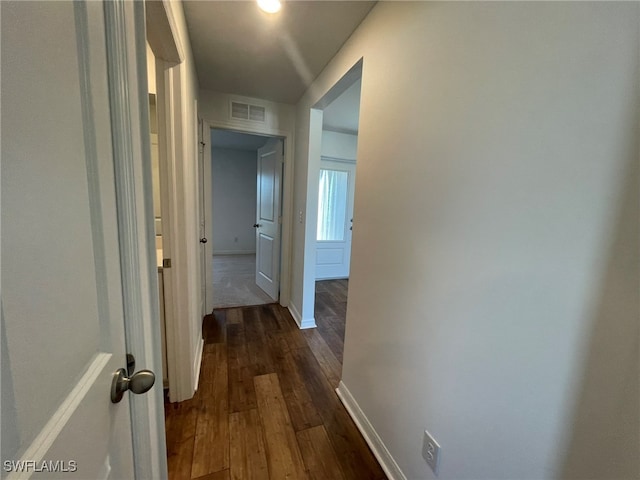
column 63, row 330
column 270, row 161
column 335, row 219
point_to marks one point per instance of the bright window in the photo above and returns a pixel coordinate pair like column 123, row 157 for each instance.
column 332, row 205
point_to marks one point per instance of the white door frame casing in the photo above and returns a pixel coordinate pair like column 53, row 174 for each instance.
column 183, row 350
column 287, row 194
column 206, row 276
column 205, row 133
column 132, row 156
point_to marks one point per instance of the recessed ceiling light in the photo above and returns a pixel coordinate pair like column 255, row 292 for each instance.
column 270, row 6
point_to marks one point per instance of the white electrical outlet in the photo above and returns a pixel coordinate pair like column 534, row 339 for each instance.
column 431, row 451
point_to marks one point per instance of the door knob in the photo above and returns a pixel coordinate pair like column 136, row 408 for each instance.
column 139, row 382
column 203, row 240
column 256, row 225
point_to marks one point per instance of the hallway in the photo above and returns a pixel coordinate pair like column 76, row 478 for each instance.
column 266, row 406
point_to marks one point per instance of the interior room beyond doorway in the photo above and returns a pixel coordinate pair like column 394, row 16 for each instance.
column 238, row 175
column 234, row 281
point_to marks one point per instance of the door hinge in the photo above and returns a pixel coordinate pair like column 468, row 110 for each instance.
column 166, row 263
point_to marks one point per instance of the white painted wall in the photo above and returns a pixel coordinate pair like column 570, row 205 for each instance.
column 234, row 200
column 153, row 127
column 151, row 70
column 339, row 145
column 215, row 107
column 494, row 282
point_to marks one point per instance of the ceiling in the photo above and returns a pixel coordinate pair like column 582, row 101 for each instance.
column 236, row 141
column 343, row 114
column 240, row 49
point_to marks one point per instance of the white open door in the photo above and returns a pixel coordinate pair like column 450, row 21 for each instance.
column 64, row 305
column 268, row 217
column 335, row 219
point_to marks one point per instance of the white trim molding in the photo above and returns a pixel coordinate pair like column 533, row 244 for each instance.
column 177, row 144
column 302, row 323
column 327, row 158
column 295, row 313
column 234, row 252
column 197, row 363
column 346, row 131
column 307, row 323
column 126, row 65
column 370, row 435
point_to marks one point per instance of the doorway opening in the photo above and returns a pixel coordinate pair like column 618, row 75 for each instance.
column 334, row 172
column 157, row 202
column 246, row 217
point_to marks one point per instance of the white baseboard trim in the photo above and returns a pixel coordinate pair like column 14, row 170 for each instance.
column 295, row 313
column 234, row 252
column 370, row 435
column 319, row 279
column 197, row 364
column 303, row 324
column 308, row 323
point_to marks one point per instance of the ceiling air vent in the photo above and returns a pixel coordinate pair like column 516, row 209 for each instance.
column 244, row 111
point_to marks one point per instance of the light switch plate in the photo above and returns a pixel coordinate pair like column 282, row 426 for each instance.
column 431, row 451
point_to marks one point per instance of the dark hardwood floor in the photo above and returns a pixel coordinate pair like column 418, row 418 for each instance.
column 330, row 313
column 266, row 406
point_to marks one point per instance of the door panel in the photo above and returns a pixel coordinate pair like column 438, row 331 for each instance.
column 265, row 247
column 62, row 307
column 335, row 214
column 270, row 160
column 330, row 256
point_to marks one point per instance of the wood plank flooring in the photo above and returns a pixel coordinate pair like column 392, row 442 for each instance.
column 330, row 313
column 266, row 406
